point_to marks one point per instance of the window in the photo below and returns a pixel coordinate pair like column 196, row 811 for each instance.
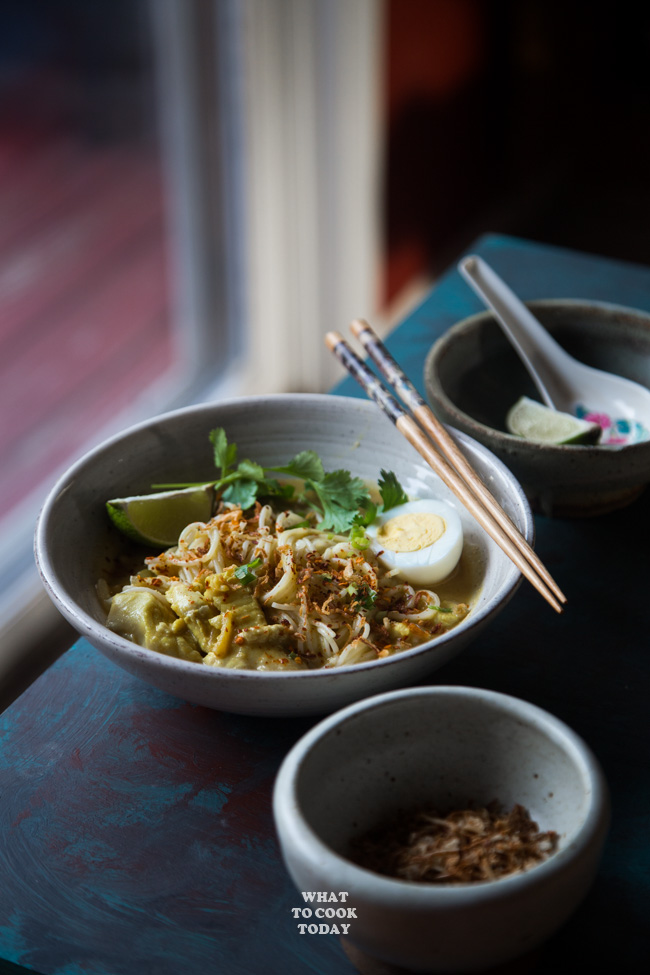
column 188, row 191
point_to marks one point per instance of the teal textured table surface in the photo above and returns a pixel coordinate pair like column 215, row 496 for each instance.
column 136, row 832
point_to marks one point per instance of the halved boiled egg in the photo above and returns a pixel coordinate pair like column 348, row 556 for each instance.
column 422, row 539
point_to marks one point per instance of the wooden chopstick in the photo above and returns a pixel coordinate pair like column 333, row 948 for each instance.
column 409, row 428
column 446, row 444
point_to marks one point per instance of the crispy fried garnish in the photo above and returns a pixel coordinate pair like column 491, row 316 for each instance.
column 465, row 846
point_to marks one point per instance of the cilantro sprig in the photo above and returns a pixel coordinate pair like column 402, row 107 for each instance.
column 241, row 484
column 341, row 501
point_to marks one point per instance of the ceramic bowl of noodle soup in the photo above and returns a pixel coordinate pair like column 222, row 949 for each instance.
column 308, row 648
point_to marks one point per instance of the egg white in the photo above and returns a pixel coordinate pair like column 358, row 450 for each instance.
column 432, row 563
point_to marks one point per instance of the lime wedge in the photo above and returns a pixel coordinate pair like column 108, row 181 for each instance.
column 532, row 421
column 158, row 519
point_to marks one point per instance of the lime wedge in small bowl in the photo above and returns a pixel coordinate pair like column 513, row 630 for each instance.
column 158, row 519
column 533, row 421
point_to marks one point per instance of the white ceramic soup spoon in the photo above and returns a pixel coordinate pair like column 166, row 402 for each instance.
column 564, row 383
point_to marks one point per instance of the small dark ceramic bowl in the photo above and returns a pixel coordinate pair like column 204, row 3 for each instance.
column 473, row 376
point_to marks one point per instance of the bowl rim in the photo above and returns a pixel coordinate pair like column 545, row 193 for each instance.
column 411, row 894
column 92, row 629
column 501, row 436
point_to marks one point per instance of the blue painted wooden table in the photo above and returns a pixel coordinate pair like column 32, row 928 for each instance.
column 135, row 829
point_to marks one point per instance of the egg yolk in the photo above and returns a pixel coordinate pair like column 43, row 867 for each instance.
column 410, row 533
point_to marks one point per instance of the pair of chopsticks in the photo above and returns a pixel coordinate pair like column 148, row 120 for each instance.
column 436, row 446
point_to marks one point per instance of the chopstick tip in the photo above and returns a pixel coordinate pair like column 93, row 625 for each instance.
column 332, row 339
column 359, row 325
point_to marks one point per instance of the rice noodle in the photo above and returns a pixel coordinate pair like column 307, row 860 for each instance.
column 329, row 603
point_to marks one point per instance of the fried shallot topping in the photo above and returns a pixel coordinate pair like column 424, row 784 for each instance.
column 464, row 846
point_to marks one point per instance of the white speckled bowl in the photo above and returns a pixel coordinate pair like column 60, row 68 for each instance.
column 446, row 746
column 73, row 537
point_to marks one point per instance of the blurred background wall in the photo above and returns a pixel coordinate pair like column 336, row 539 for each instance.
column 523, row 116
column 193, row 191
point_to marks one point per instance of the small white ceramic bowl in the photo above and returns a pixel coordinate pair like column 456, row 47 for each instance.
column 444, row 746
column 74, row 538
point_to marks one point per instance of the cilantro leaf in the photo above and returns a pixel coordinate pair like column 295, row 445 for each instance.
column 272, row 488
column 250, row 470
column 392, row 492
column 306, row 465
column 367, row 515
column 242, row 492
column 245, row 573
column 340, row 496
column 225, row 454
